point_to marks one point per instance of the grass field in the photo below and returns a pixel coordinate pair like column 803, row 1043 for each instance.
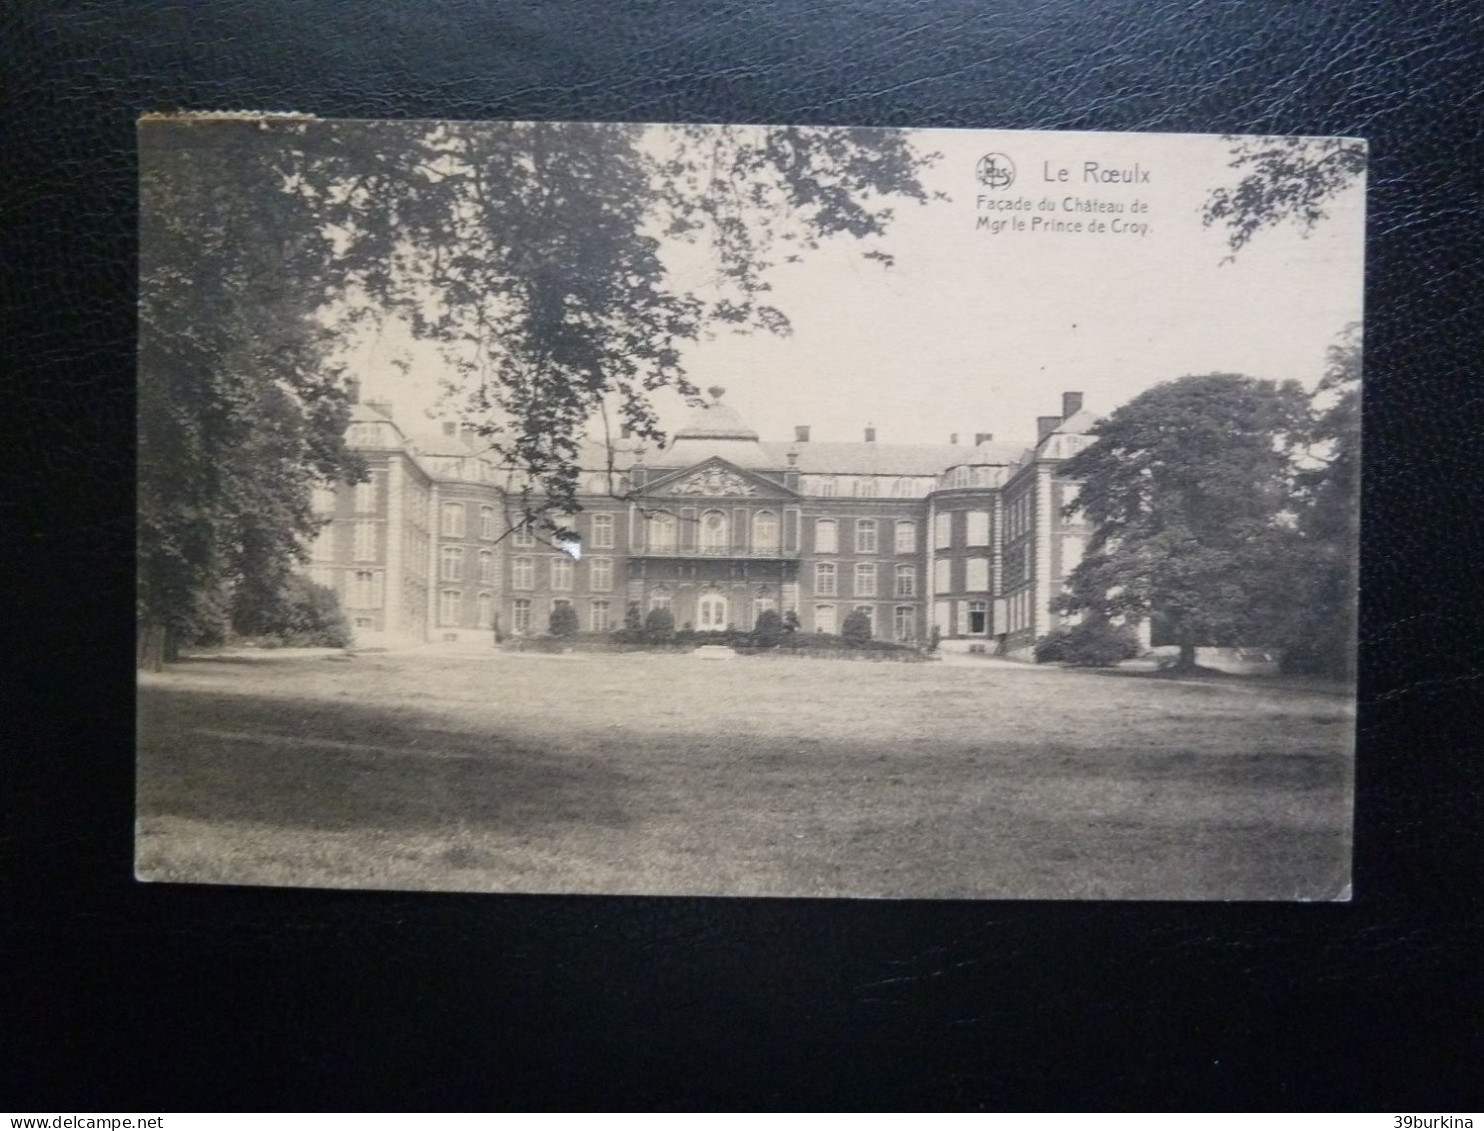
column 765, row 776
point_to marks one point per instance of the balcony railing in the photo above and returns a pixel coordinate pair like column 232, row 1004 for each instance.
column 755, row 553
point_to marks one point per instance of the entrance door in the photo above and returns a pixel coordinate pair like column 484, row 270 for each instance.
column 711, row 613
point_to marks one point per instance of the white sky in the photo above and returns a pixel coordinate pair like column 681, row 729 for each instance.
column 972, row 331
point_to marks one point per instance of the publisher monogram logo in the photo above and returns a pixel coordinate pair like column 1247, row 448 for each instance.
column 995, row 171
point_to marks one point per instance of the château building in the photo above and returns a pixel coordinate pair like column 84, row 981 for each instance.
column 718, row 526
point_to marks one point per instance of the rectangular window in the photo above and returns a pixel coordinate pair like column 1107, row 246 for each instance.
column 659, row 597
column 453, row 520
column 906, row 581
column 561, row 573
column 825, row 485
column 602, row 532
column 977, row 580
column 600, row 575
column 449, row 602
column 824, row 579
column 365, row 541
column 865, row 579
column 523, row 574
column 523, row 535
column 601, row 616
column 520, row 615
column 824, row 618
column 826, row 536
column 906, row 537
column 485, row 610
column 865, row 536
column 978, row 529
column 489, row 529
column 453, row 563
column 322, row 500
column 904, row 622
column 978, row 618
column 323, row 575
column 942, row 575
column 486, row 567
column 943, row 530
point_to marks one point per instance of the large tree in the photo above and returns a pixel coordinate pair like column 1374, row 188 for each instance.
column 1321, row 637
column 1190, row 491
column 239, row 414
column 533, row 253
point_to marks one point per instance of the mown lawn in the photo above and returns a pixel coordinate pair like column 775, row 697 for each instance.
column 674, row 775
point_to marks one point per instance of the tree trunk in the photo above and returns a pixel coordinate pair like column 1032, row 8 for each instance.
column 151, row 654
column 1186, row 662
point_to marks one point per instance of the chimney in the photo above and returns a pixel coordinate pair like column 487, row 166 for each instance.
column 450, row 428
column 1045, row 425
column 353, row 390
column 870, row 435
column 1071, row 404
column 801, row 433
column 625, row 431
column 953, row 437
column 982, row 438
column 383, row 407
column 467, row 433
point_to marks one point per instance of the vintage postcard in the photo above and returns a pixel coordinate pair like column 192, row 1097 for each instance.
column 742, row 510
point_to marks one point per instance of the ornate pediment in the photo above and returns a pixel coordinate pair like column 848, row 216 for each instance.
column 712, row 482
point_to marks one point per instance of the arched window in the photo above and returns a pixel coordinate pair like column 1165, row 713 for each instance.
column 711, row 612
column 659, row 597
column 714, row 529
column 765, row 532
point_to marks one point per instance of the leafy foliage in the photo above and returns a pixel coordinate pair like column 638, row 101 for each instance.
column 239, row 417
column 659, row 626
column 1321, row 637
column 1191, row 492
column 856, row 627
column 563, row 620
column 632, row 619
column 768, row 631
column 1089, row 644
column 303, row 615
column 1284, row 178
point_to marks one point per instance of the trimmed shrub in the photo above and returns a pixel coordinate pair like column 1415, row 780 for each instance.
column 633, row 620
column 1095, row 644
column 1052, row 648
column 659, row 626
column 563, row 620
column 791, row 622
column 857, row 628
column 304, row 615
column 768, row 631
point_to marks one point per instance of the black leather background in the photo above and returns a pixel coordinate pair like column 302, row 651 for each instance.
column 120, row 996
